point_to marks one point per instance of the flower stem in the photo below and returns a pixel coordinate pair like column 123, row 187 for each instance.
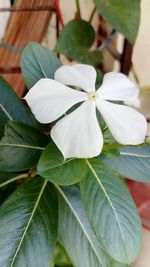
column 92, row 14
column 78, row 8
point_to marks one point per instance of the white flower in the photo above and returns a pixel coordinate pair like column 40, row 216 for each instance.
column 78, row 134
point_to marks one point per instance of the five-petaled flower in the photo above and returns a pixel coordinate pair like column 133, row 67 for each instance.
column 78, row 134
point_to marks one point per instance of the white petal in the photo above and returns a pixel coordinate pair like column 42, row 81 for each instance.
column 134, row 102
column 78, row 134
column 127, row 125
column 117, row 86
column 49, row 99
column 80, row 75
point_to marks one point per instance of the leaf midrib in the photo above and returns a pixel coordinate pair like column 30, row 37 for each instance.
column 28, row 224
column 5, row 112
column 128, row 154
column 22, row 146
column 109, row 201
column 79, row 221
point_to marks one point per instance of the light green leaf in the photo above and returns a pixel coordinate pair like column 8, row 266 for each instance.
column 54, row 168
column 61, row 258
column 75, row 232
column 123, row 15
column 133, row 162
column 111, row 212
column 119, row 265
column 21, row 147
column 75, row 40
column 11, row 107
column 28, row 229
column 38, row 62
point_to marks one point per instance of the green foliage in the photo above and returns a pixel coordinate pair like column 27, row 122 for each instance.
column 61, row 258
column 54, row 168
column 28, row 222
column 111, row 212
column 75, row 232
column 133, row 162
column 21, row 147
column 11, row 107
column 38, row 62
column 75, row 40
column 123, row 15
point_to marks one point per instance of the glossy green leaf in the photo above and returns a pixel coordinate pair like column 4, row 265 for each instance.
column 111, row 212
column 75, row 40
column 28, row 229
column 123, row 15
column 54, row 168
column 21, row 147
column 133, row 162
column 38, row 62
column 75, row 232
column 11, row 107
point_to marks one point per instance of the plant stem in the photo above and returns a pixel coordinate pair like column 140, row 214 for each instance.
column 135, row 74
column 92, row 14
column 78, row 8
column 21, row 176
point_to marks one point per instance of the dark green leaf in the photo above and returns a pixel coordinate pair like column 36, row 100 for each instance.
column 2, row 126
column 75, row 232
column 133, row 162
column 38, row 62
column 75, row 40
column 8, row 185
column 111, row 212
column 21, row 147
column 54, row 168
column 28, row 229
column 123, row 15
column 11, row 107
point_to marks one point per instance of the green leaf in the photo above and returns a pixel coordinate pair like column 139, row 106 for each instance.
column 11, row 107
column 38, row 62
column 115, row 264
column 133, row 162
column 75, row 232
column 54, row 168
column 75, row 40
column 123, row 15
column 21, row 147
column 28, row 229
column 61, row 258
column 8, row 184
column 2, row 126
column 111, row 212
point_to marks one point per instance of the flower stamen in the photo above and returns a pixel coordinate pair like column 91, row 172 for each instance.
column 93, row 96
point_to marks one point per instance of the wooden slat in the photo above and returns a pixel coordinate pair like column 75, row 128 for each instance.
column 23, row 27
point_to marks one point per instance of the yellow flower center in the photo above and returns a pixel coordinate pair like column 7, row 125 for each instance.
column 93, row 96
